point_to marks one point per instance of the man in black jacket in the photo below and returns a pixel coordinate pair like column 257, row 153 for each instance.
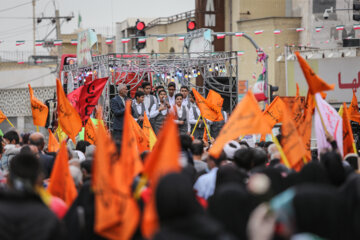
column 47, row 161
column 23, row 215
column 117, row 105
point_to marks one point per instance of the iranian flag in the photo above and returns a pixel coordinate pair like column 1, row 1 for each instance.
column 21, row 62
column 220, row 35
column 74, row 42
column 340, row 27
column 142, row 40
column 19, row 43
column 38, row 61
column 277, row 31
column 240, row 53
column 300, row 29
column 125, row 40
column 58, row 42
column 318, row 29
column 239, row 34
column 327, row 41
column 39, row 42
column 257, row 32
column 160, row 39
column 181, row 38
column 356, row 26
column 109, row 40
column 277, row 45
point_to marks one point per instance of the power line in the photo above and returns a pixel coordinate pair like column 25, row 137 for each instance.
column 11, row 8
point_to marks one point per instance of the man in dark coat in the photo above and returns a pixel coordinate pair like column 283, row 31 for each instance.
column 117, row 105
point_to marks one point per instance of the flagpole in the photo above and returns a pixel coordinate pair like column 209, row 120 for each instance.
column 321, row 118
column 37, row 128
column 207, row 129
column 192, row 133
column 10, row 123
column 282, row 154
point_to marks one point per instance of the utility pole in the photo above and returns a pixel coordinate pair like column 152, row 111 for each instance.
column 34, row 27
column 58, row 31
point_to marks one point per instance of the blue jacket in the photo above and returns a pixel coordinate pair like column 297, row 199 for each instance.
column 118, row 109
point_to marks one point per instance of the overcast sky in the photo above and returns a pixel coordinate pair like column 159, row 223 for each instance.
column 16, row 23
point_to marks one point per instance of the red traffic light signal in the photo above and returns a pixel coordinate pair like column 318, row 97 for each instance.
column 191, row 25
column 140, row 26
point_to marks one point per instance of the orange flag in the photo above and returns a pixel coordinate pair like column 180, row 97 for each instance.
column 68, row 117
column 291, row 141
column 53, row 144
column 316, row 84
column 297, row 90
column 2, row 117
column 90, row 132
column 348, row 138
column 162, row 160
column 61, row 182
column 215, row 99
column 208, row 109
column 274, row 112
column 205, row 137
column 354, row 109
column 149, row 133
column 246, row 118
column 297, row 111
column 141, row 139
column 39, row 110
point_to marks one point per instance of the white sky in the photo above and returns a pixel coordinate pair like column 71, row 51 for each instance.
column 16, row 24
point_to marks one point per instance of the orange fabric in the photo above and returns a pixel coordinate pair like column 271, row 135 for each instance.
column 205, row 136
column 297, row 90
column 2, row 117
column 39, row 110
column 323, row 95
column 215, row 99
column 149, row 132
column 274, row 111
column 291, row 141
column 61, row 182
column 246, row 118
column 297, row 111
column 353, row 109
column 316, row 84
column 116, row 212
column 53, row 144
column 348, row 138
column 304, row 130
column 207, row 109
column 140, row 136
column 68, row 117
column 90, row 132
column 162, row 160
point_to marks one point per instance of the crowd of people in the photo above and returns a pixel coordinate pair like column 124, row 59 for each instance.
column 245, row 193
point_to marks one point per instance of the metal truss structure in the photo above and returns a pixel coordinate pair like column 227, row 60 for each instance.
column 204, row 71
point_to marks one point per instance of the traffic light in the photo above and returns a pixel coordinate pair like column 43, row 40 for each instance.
column 356, row 9
column 140, row 35
column 190, row 25
column 272, row 90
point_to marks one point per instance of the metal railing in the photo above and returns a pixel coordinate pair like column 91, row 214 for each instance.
column 15, row 56
column 172, row 19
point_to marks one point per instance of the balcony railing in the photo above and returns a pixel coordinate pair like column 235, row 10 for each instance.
column 172, row 19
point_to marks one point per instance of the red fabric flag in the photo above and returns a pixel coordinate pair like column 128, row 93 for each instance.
column 89, row 97
column 68, row 117
column 61, row 183
column 74, row 97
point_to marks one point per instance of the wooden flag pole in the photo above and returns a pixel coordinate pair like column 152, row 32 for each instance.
column 192, row 133
column 283, row 156
column 10, row 123
column 37, row 128
column 207, row 129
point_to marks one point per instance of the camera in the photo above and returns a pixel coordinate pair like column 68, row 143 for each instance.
column 327, row 11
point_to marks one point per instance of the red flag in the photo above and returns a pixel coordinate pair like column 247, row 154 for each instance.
column 89, row 97
column 74, row 97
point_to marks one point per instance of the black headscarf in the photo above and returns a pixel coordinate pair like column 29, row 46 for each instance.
column 230, row 174
column 332, row 162
column 231, row 205
column 313, row 172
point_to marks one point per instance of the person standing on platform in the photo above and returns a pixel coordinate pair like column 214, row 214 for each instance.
column 117, row 105
column 171, row 93
column 138, row 108
column 184, row 90
column 149, row 100
column 159, row 112
column 181, row 113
